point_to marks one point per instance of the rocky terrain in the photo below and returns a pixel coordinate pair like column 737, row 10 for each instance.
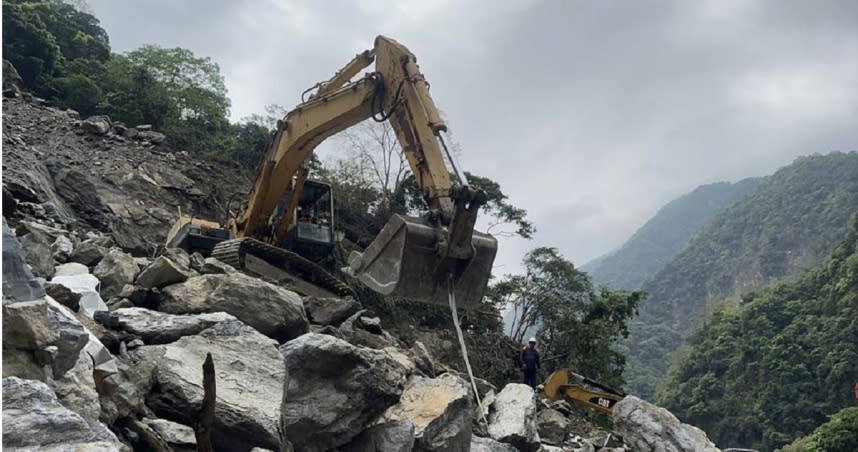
column 105, row 332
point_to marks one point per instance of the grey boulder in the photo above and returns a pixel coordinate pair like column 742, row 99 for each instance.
column 272, row 310
column 178, row 436
column 645, row 426
column 98, row 125
column 43, row 334
column 335, row 390
column 115, row 270
column 392, row 436
column 479, row 444
column 330, row 311
column 88, row 253
column 512, row 417
column 163, row 271
column 552, row 426
column 155, row 327
column 62, row 248
column 249, row 375
column 34, row 419
column 19, row 284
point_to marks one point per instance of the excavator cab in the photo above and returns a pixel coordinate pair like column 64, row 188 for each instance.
column 312, row 233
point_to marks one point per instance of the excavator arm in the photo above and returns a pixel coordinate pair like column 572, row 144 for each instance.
column 414, row 258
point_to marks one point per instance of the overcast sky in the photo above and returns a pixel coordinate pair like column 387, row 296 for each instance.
column 591, row 115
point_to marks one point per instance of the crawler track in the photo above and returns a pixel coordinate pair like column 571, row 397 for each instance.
column 232, row 252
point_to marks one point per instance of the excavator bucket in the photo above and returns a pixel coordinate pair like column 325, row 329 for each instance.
column 403, row 262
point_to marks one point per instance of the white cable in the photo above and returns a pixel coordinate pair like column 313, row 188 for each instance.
column 455, row 314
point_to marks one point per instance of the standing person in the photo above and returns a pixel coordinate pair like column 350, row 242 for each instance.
column 530, row 362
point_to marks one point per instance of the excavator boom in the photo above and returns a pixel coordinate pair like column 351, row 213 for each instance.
column 412, row 258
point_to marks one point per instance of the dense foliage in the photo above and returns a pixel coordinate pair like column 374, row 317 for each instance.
column 777, row 365
column 840, row 434
column 790, row 223
column 666, row 234
column 576, row 323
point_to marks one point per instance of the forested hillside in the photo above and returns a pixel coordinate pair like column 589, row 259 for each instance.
column 63, row 55
column 790, row 223
column 779, row 364
column 666, row 234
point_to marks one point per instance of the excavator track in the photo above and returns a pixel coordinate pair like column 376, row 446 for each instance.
column 233, row 252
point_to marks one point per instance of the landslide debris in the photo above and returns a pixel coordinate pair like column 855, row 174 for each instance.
column 117, row 365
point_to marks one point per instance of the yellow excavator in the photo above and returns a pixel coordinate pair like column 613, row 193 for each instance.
column 563, row 384
column 287, row 222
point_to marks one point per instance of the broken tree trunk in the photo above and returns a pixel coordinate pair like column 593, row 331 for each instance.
column 205, row 415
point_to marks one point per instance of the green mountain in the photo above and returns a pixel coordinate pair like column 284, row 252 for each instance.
column 775, row 367
column 666, row 234
column 790, row 223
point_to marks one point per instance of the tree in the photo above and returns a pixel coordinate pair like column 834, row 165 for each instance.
column 573, row 320
column 197, row 91
column 133, row 95
column 376, row 145
column 28, row 44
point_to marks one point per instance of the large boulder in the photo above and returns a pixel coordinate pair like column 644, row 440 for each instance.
column 76, row 389
column 151, row 135
column 335, row 390
column 19, row 284
column 163, row 271
column 37, row 248
column 355, row 331
column 249, row 374
column 62, row 248
column 115, row 270
column 272, row 310
column 33, row 419
column 155, row 327
column 98, row 125
column 392, row 436
column 512, row 417
column 552, row 426
column 479, row 444
column 645, row 426
column 88, row 253
column 179, row 437
column 441, row 411
column 330, row 311
column 42, row 334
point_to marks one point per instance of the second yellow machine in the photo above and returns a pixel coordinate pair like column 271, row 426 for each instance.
column 287, row 222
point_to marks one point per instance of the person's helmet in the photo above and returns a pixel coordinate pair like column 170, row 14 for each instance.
column 532, row 340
